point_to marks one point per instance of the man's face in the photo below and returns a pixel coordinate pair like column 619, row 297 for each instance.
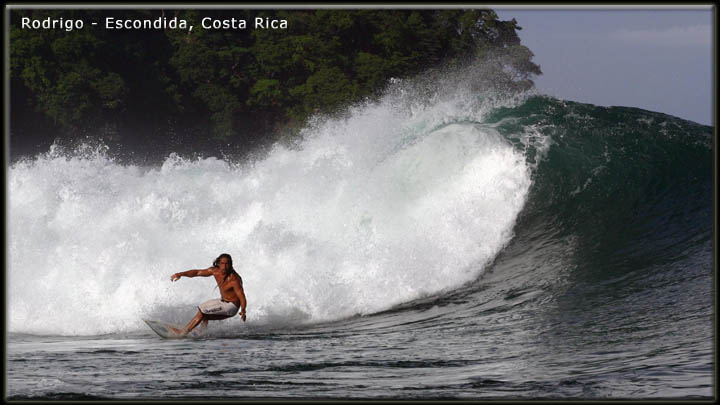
column 224, row 264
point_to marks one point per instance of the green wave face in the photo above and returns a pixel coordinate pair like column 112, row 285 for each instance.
column 630, row 187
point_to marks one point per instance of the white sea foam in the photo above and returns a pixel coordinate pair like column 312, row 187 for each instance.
column 397, row 200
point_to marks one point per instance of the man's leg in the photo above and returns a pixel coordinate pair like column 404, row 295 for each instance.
column 200, row 317
column 193, row 323
column 190, row 326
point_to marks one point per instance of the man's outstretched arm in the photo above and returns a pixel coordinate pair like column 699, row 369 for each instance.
column 192, row 273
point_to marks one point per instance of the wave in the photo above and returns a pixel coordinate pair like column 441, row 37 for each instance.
column 393, row 201
column 415, row 196
column 621, row 181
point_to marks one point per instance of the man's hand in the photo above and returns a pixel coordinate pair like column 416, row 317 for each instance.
column 242, row 315
column 175, row 276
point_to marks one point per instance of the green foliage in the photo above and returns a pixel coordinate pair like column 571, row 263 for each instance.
column 232, row 84
column 266, row 93
column 92, row 81
column 324, row 90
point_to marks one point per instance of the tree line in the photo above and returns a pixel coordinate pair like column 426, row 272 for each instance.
column 174, row 89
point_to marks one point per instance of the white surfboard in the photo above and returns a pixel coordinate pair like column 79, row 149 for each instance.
column 163, row 329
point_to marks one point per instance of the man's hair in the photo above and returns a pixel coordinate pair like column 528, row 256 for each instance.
column 232, row 269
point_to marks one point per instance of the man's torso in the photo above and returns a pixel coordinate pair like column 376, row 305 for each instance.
column 226, row 287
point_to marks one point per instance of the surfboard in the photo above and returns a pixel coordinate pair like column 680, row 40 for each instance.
column 163, row 329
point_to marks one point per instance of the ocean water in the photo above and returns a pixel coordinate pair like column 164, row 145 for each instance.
column 444, row 242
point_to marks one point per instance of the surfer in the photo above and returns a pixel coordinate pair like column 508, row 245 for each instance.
column 232, row 296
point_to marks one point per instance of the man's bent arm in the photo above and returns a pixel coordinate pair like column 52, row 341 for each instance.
column 243, row 301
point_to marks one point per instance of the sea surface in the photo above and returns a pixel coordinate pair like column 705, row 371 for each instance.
column 443, row 242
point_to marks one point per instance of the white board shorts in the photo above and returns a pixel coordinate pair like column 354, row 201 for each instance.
column 218, row 307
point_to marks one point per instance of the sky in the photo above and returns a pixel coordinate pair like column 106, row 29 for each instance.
column 655, row 59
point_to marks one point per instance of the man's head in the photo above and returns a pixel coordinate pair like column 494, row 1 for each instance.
column 224, row 262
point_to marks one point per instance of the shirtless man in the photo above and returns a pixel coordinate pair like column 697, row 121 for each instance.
column 231, row 293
